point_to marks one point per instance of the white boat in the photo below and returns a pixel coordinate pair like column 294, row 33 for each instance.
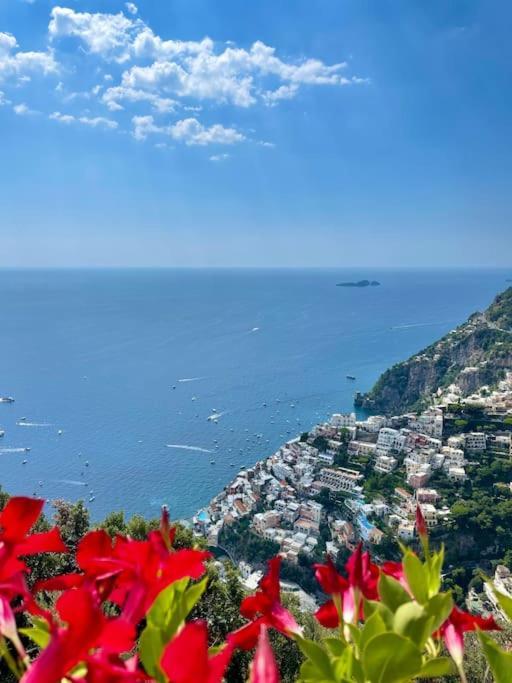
column 6, row 399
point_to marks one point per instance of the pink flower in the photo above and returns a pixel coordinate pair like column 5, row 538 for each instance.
column 264, row 668
column 458, row 623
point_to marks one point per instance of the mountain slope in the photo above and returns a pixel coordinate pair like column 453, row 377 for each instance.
column 476, row 353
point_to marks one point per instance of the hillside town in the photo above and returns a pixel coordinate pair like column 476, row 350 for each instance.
column 313, row 495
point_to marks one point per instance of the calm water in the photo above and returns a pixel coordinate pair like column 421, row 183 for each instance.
column 96, row 354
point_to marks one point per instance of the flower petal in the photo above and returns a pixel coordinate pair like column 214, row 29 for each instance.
column 264, row 668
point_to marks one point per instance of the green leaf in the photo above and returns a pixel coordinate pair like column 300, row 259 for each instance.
column 372, row 606
column 390, row 658
column 335, row 646
column 440, row 666
column 165, row 617
column 373, row 627
column 318, row 658
column 151, row 647
column 39, row 632
column 411, row 620
column 165, row 602
column 391, row 592
column 36, row 635
column 439, row 607
column 499, row 661
column 434, row 568
column 505, row 603
column 416, row 576
column 347, row 668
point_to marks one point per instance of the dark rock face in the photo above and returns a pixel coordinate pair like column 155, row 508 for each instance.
column 475, row 354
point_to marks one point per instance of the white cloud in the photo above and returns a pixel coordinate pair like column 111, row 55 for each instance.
column 284, row 92
column 20, row 64
column 23, row 110
column 94, row 122
column 144, row 126
column 3, row 99
column 219, row 157
column 108, row 35
column 113, row 96
column 7, row 43
column 62, row 118
column 193, row 69
column 189, row 131
column 98, row 121
column 160, row 75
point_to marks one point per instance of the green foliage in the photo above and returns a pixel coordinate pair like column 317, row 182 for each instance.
column 164, row 618
column 243, row 544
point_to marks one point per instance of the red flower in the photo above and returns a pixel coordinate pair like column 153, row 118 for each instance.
column 86, row 628
column 362, row 580
column 104, row 667
column 131, row 573
column 265, row 608
column 264, row 668
column 328, row 614
column 186, row 659
column 458, row 623
column 363, row 575
column 16, row 520
column 330, row 581
column 421, row 525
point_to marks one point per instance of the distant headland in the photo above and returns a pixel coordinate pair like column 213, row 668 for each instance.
column 359, row 283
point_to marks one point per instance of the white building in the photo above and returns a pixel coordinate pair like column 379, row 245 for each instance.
column 340, row 420
column 457, row 474
column 340, row 479
column 390, row 440
column 385, row 464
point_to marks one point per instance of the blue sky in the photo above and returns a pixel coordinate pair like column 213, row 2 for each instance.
column 195, row 132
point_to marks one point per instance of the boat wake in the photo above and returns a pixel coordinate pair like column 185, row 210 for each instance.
column 71, row 482
column 22, row 423
column 13, row 450
column 184, row 447
column 407, row 326
column 189, row 379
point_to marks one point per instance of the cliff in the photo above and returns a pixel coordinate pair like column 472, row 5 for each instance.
column 475, row 354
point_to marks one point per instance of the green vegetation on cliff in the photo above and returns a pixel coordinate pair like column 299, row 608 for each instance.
column 475, row 354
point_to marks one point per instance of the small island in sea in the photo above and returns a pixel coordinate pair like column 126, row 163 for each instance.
column 359, row 283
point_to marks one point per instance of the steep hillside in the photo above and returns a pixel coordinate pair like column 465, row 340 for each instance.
column 475, row 354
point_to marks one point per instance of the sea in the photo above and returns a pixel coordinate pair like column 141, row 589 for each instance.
column 138, row 387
